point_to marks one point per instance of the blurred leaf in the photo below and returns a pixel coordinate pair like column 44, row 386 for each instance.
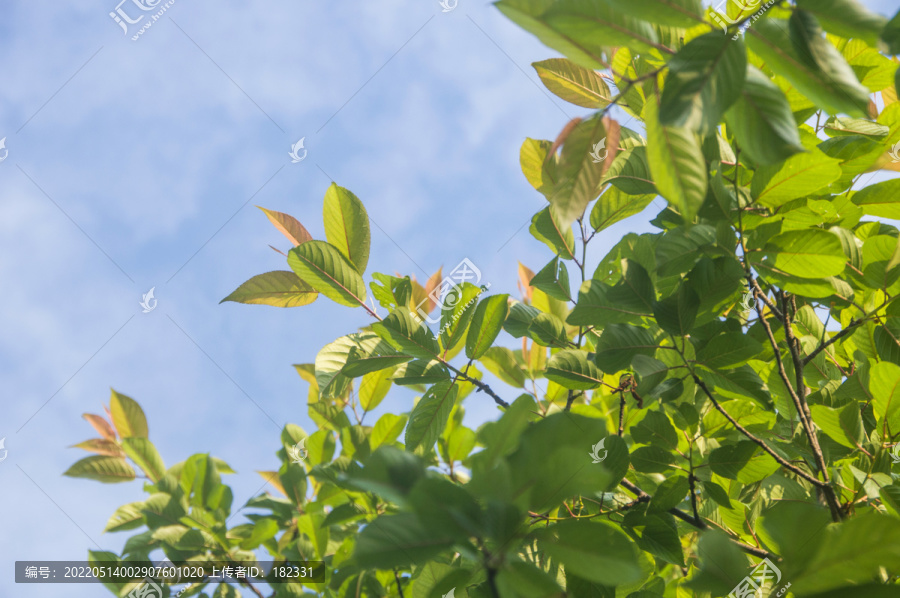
column 103, row 469
column 142, row 452
column 127, row 416
column 704, row 79
column 593, row 550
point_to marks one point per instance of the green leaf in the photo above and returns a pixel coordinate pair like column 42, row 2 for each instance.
column 323, row 267
column 407, row 335
column 846, row 18
column 358, row 365
column 127, row 416
column 572, row 369
column 347, row 226
column 397, row 541
column 844, row 425
column 630, row 172
column 546, row 229
column 728, row 350
column 880, row 199
column 852, row 552
column 429, row 417
column 373, row 388
column 104, row 469
column 651, row 459
column 387, row 429
column 456, row 315
column 618, row 345
column 580, row 172
column 810, row 252
column 676, row 162
column 519, row 578
column 583, row 31
column 884, row 386
column 578, row 85
column 744, row 461
column 501, row 362
column 762, row 122
column 797, row 51
column 142, row 452
column 126, row 517
column 289, row 226
column 279, row 288
column 548, row 330
column 838, row 125
column 593, row 550
column 704, row 79
column 675, row 13
column 537, row 165
column 333, row 357
column 655, row 429
column 615, row 205
column 798, row 176
column 676, row 314
column 656, row 533
column 670, row 493
column 487, row 322
column 553, row 279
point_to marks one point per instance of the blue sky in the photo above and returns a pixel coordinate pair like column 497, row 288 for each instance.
column 136, row 164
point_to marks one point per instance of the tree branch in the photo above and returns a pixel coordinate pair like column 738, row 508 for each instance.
column 698, row 523
column 781, row 460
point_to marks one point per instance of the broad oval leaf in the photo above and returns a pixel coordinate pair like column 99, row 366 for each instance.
column 573, row 370
column 705, row 78
column 407, row 335
column 798, row 176
column 594, row 550
column 762, row 121
column 325, row 269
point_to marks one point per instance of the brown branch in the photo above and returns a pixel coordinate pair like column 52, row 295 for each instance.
column 698, row 522
column 781, row 460
column 800, row 393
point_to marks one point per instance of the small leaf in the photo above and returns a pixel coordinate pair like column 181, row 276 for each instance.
column 289, row 226
column 615, row 205
column 279, row 288
column 744, row 461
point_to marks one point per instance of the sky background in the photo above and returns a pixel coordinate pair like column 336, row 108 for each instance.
column 136, row 164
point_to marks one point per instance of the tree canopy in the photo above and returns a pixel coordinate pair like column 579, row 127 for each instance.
column 711, row 408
